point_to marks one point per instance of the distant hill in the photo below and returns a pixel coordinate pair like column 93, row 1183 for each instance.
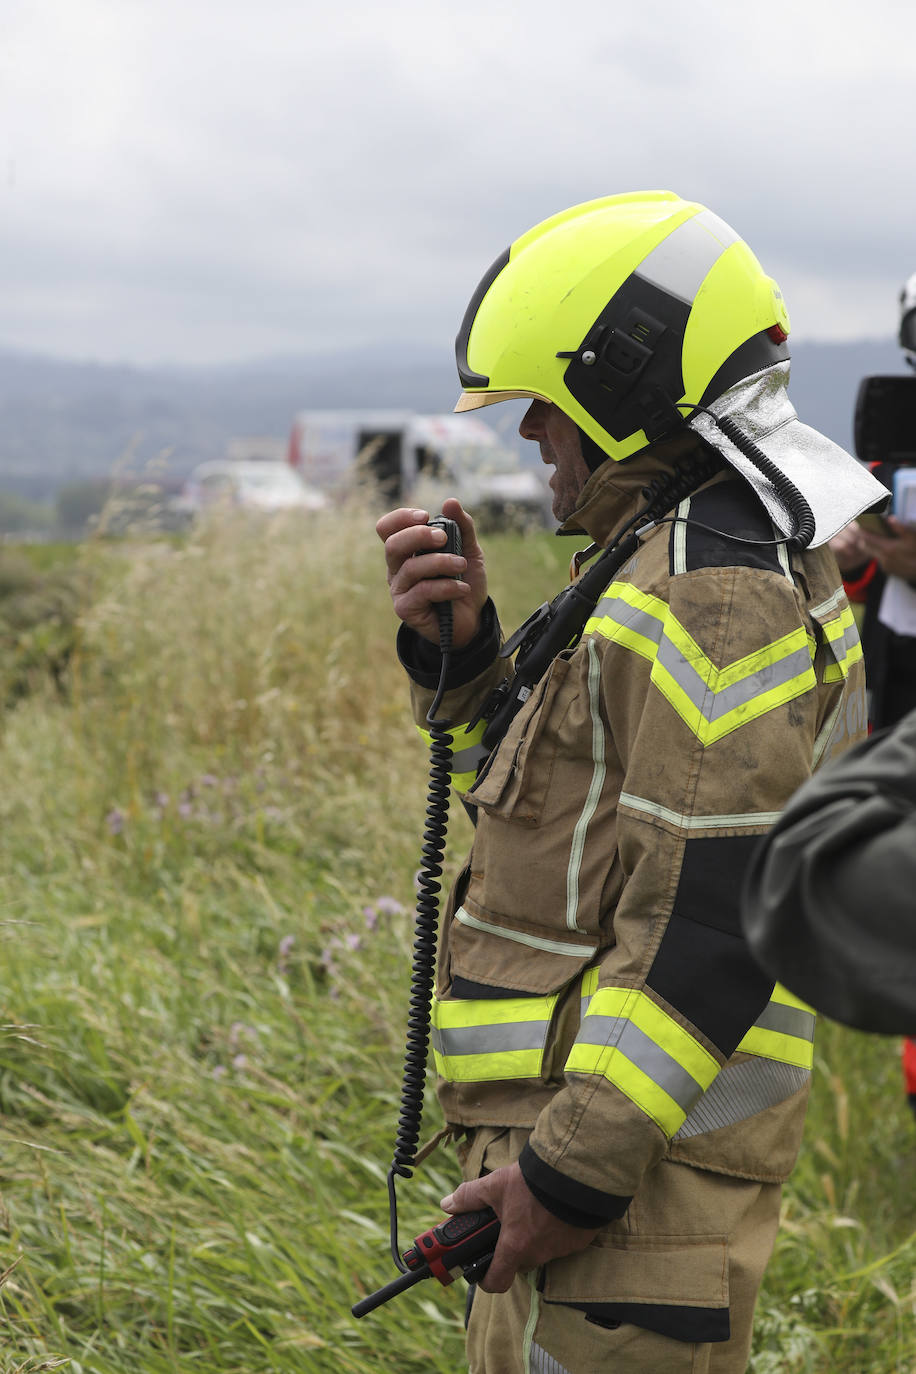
column 62, row 421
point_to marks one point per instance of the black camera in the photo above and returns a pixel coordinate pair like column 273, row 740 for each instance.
column 884, row 425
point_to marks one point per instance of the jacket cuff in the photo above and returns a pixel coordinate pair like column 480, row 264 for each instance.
column 421, row 660
column 567, row 1199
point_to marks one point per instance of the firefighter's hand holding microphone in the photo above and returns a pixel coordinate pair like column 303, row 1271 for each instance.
column 418, row 584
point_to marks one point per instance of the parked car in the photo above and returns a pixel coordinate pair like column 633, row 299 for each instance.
column 258, row 485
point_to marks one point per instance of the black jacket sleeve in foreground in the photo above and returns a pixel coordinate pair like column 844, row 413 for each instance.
column 829, row 906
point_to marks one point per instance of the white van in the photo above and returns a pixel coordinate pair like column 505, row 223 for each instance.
column 404, row 458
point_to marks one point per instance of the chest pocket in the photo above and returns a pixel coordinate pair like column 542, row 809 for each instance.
column 544, row 863
column 516, row 779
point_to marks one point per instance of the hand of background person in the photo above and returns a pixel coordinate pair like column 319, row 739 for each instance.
column 896, row 554
column 529, row 1235
column 417, row 584
column 848, row 549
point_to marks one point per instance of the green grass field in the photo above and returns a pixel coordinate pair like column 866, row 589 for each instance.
column 209, row 842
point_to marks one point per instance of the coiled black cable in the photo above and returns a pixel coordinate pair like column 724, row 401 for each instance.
column 785, row 488
column 669, row 488
column 426, row 924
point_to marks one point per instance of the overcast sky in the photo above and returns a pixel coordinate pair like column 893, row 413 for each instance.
column 214, row 180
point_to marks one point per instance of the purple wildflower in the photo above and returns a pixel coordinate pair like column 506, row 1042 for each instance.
column 239, row 1033
column 284, row 950
column 388, row 906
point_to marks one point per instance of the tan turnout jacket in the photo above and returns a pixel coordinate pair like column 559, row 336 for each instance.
column 594, row 985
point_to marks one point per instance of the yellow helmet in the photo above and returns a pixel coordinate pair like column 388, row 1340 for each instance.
column 625, row 312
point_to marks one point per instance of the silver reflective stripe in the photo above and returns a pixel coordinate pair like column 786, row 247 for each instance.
column 823, row 739
column 712, row 701
column 786, row 1020
column 680, row 536
column 664, row 813
column 539, row 1362
column 740, row 1091
column 718, row 228
column 726, row 699
column 842, row 644
column 829, row 605
column 620, row 1033
column 782, row 553
column 466, row 760
column 533, row 941
column 620, row 612
column 681, row 261
column 494, row 1039
column 599, row 770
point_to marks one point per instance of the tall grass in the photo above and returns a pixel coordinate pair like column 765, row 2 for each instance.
column 208, row 851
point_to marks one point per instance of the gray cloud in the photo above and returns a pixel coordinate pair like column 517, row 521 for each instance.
column 200, row 181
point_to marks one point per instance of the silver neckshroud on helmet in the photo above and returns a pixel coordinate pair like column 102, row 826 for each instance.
column 836, row 485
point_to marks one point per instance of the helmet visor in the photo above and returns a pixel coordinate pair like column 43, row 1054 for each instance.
column 475, row 400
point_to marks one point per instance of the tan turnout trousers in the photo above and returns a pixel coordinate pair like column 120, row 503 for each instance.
column 662, row 1251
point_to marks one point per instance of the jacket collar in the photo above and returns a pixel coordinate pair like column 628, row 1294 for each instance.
column 614, row 492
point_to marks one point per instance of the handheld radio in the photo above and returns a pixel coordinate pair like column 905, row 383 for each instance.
column 464, row 1242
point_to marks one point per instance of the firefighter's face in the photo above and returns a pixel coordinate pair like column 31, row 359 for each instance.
column 558, row 439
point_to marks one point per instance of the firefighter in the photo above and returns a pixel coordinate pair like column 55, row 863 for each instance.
column 627, row 1087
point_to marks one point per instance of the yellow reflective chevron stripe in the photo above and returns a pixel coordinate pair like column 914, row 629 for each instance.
column 468, row 753
column 484, row 1041
column 589, row 987
column 711, row 701
column 590, row 981
column 628, row 1039
column 631, row 1041
column 838, row 624
column 785, row 1031
column 843, row 639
